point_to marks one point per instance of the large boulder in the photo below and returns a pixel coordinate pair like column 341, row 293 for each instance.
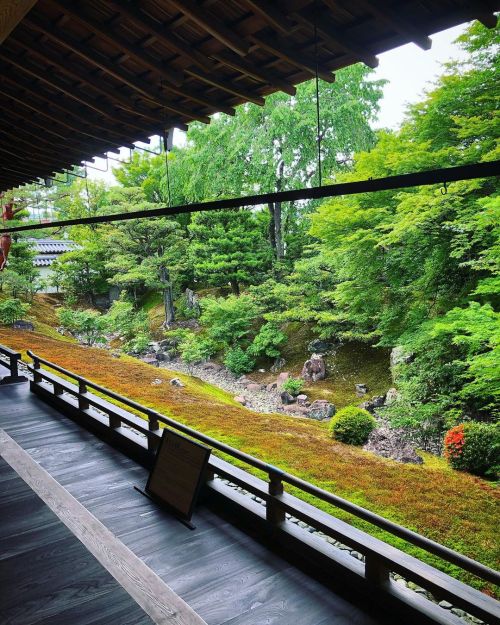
column 320, row 410
column 314, row 369
column 278, row 364
column 390, row 443
column 377, row 401
column 283, row 377
column 399, row 356
column 192, row 301
column 286, row 398
column 254, row 387
column 361, row 389
column 321, row 346
column 21, row 324
column 391, row 396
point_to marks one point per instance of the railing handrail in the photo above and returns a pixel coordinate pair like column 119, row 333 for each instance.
column 6, row 351
column 467, row 564
column 13, row 357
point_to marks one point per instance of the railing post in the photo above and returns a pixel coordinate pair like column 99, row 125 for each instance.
column 274, row 513
column 14, row 371
column 153, row 426
column 375, row 570
column 114, row 421
column 37, row 378
column 83, row 403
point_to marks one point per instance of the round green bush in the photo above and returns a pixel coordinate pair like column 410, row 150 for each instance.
column 474, row 447
column 352, row 425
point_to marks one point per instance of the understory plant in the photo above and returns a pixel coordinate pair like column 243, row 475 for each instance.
column 293, row 386
column 474, row 447
column 352, row 425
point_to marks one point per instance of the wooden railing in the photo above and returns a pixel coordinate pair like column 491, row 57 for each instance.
column 12, row 365
column 379, row 558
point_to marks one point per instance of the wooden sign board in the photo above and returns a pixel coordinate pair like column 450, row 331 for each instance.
column 176, row 477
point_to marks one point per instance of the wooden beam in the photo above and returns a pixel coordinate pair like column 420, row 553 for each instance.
column 115, row 69
column 67, row 89
column 78, row 126
column 473, row 171
column 101, row 86
column 272, row 15
column 225, row 86
column 393, row 18
column 11, row 13
column 295, row 57
column 162, row 31
column 120, row 42
column 212, row 25
column 250, row 69
column 336, row 36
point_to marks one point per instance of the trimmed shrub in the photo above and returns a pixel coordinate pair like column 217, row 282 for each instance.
column 352, row 425
column 238, row 361
column 12, row 309
column 474, row 447
column 293, row 386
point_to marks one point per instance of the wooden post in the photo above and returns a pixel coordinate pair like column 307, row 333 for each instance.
column 37, row 378
column 375, row 570
column 114, row 421
column 58, row 389
column 83, row 403
column 274, row 514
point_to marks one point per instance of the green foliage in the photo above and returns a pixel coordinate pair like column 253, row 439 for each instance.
column 268, row 341
column 194, row 348
column 130, row 324
column 474, row 447
column 89, row 325
column 293, row 386
column 228, row 247
column 352, row 425
column 238, row 361
column 12, row 309
column 228, row 320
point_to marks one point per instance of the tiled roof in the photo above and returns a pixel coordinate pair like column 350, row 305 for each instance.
column 51, row 246
column 44, row 261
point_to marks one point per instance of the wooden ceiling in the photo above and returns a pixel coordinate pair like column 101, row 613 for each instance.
column 78, row 79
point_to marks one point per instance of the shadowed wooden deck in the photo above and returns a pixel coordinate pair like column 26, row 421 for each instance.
column 221, row 572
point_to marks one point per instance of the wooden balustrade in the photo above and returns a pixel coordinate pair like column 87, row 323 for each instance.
column 12, row 365
column 380, row 558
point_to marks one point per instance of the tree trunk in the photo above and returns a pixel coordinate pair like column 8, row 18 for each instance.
column 272, row 228
column 235, row 287
column 275, row 224
column 168, row 296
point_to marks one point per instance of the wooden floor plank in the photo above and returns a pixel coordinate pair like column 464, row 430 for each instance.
column 226, row 576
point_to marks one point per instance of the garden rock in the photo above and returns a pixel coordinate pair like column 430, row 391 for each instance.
column 320, row 346
column 253, row 386
column 283, row 377
column 321, row 409
column 271, row 387
column 169, row 343
column 192, row 301
column 150, row 360
column 378, row 401
column 391, row 443
column 391, row 396
column 314, row 369
column 212, row 366
column 240, row 399
column 286, row 398
column 400, row 357
column 177, row 382
column 164, row 356
column 20, row 324
column 301, row 400
column 156, row 382
column 361, row 389
column 278, row 364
